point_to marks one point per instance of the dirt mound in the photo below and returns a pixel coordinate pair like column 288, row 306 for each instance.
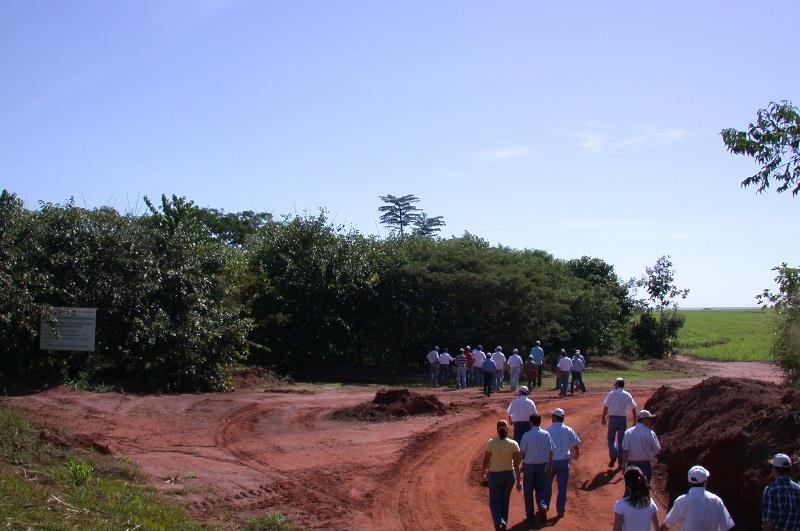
column 251, row 377
column 80, row 440
column 608, row 364
column 393, row 403
column 731, row 427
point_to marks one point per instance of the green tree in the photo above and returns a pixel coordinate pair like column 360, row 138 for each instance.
column 426, row 226
column 774, row 142
column 399, row 213
column 786, row 303
column 657, row 337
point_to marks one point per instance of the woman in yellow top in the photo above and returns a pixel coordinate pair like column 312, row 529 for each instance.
column 501, row 459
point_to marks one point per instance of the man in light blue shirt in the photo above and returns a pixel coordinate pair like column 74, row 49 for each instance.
column 538, row 359
column 578, row 365
column 536, row 451
column 567, row 445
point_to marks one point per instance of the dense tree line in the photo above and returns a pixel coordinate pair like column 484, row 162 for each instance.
column 183, row 291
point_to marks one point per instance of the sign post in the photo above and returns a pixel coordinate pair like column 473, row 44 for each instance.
column 74, row 329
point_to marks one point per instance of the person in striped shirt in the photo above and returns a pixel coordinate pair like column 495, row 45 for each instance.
column 461, row 370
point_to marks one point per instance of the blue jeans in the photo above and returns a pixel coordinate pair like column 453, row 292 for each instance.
column 534, row 479
column 561, row 475
column 498, row 379
column 616, row 430
column 444, row 374
column 514, row 373
column 563, row 380
column 500, row 486
column 433, row 374
column 577, row 382
column 461, row 376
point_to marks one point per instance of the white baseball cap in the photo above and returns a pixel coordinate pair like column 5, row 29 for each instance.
column 523, row 390
column 781, row 461
column 644, row 414
column 698, row 474
column 558, row 412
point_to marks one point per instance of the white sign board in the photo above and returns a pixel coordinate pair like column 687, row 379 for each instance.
column 75, row 328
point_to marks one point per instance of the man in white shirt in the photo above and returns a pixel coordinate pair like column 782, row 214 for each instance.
column 477, row 364
column 514, row 366
column 499, row 360
column 564, row 367
column 578, row 364
column 698, row 509
column 433, row 366
column 536, row 451
column 444, row 367
column 519, row 413
column 616, row 405
column 640, row 445
column 566, row 444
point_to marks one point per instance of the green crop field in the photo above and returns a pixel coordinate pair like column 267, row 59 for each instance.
column 727, row 335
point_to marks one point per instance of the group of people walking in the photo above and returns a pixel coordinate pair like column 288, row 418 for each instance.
column 476, row 367
column 535, row 456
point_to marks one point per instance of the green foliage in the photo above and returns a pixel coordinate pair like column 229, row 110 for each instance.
column 79, row 471
column 45, row 487
column 426, row 227
column 270, row 522
column 727, row 335
column 399, row 212
column 786, row 303
column 656, row 337
column 774, row 142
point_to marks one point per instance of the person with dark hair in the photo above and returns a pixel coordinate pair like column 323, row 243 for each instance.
column 780, row 503
column 536, row 451
column 698, row 509
column 616, row 405
column 636, row 511
column 529, row 372
column 501, row 470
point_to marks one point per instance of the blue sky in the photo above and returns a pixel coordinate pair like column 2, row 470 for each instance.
column 583, row 129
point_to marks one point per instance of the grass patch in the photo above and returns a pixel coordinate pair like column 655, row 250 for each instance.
column 270, row 522
column 727, row 335
column 44, row 486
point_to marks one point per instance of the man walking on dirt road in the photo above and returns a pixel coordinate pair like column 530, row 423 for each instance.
column 780, row 503
column 536, row 451
column 514, row 368
column 578, row 364
column 616, row 405
column 519, row 413
column 567, row 445
column 537, row 353
column 433, row 366
column 444, row 367
column 500, row 362
column 529, row 372
column 488, row 368
column 477, row 364
column 640, row 445
column 461, row 370
column 564, row 368
column 698, row 509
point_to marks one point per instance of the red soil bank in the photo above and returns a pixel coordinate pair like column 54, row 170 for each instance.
column 393, row 403
column 731, row 427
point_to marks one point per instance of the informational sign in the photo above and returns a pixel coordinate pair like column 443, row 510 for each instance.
column 73, row 330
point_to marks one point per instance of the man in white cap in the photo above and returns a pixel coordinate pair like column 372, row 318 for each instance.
column 640, row 445
column 499, row 360
column 698, row 509
column 616, row 405
column 567, row 445
column 780, row 504
column 536, row 451
column 514, row 366
column 519, row 413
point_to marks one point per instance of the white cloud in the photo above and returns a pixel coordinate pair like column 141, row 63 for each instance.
column 504, row 153
column 597, row 139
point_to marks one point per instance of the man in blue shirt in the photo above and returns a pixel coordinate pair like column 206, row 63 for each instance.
column 567, row 445
column 488, row 368
column 536, row 452
column 538, row 359
column 780, row 504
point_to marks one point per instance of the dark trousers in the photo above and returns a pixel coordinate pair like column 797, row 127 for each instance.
column 617, row 424
column 520, row 428
column 500, row 486
column 534, row 479
column 488, row 383
column 563, row 378
column 444, row 374
column 539, row 374
column 577, row 382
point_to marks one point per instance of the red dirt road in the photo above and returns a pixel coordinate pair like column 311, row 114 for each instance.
column 229, row 457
